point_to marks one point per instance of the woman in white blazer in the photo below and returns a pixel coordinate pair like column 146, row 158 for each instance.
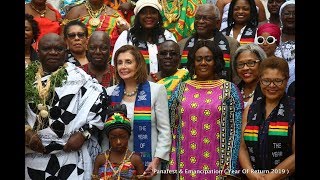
column 147, row 107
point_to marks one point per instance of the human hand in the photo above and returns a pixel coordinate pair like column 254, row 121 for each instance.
column 75, row 142
column 33, row 141
column 122, row 24
column 152, row 168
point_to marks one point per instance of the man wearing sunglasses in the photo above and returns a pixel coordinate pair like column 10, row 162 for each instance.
column 207, row 19
column 76, row 37
column 268, row 38
column 169, row 60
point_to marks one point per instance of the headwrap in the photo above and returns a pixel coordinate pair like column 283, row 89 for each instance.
column 272, row 29
column 288, row 2
column 117, row 119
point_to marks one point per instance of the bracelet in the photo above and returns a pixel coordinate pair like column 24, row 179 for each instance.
column 27, row 128
column 95, row 176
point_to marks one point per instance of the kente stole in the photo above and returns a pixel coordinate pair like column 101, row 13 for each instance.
column 141, row 120
column 221, row 41
column 143, row 47
column 247, row 36
column 269, row 140
column 171, row 82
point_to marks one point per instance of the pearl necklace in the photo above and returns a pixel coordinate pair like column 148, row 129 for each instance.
column 131, row 93
column 244, row 96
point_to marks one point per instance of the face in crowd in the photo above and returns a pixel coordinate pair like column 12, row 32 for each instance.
column 149, row 17
column 76, row 39
column 169, row 57
column 206, row 20
column 288, row 16
column 274, row 75
column 274, row 6
column 52, row 52
column 99, row 49
column 248, row 66
column 241, row 12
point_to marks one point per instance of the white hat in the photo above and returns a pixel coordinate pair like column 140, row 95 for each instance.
column 143, row 3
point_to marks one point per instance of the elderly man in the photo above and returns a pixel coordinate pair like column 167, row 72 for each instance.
column 207, row 19
column 64, row 110
column 98, row 53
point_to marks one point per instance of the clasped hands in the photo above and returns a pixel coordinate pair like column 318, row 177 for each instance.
column 33, row 141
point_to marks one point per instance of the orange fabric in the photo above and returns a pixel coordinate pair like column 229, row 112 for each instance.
column 48, row 26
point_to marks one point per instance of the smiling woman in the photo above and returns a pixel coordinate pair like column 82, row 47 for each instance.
column 268, row 126
column 205, row 116
column 147, row 106
column 246, row 64
column 147, row 33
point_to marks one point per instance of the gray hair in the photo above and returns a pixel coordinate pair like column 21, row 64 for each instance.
column 214, row 7
column 254, row 48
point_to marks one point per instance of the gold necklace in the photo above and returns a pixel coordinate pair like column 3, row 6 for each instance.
column 170, row 13
column 118, row 171
column 42, row 12
column 94, row 20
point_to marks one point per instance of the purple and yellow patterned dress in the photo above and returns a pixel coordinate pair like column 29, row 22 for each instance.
column 206, row 126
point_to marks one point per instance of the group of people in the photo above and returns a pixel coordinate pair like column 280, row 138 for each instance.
column 127, row 101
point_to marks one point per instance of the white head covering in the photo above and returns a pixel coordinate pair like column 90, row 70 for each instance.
column 143, row 3
column 288, row 2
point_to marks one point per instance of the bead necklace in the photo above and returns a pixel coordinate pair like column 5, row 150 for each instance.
column 244, row 96
column 42, row 12
column 42, row 95
column 131, row 93
column 118, row 171
column 94, row 20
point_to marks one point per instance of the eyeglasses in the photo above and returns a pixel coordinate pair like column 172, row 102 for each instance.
column 269, row 39
column 267, row 82
column 73, row 35
column 204, row 17
column 199, row 59
column 249, row 64
column 288, row 14
column 171, row 53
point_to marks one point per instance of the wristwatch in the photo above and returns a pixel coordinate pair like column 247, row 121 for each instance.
column 86, row 134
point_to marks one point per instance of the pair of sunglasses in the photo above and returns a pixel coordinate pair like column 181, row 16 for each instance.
column 269, row 39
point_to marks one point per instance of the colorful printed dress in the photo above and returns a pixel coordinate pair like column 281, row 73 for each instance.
column 127, row 171
column 206, row 126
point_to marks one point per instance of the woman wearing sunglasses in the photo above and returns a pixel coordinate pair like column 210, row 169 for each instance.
column 246, row 64
column 267, row 149
column 268, row 38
